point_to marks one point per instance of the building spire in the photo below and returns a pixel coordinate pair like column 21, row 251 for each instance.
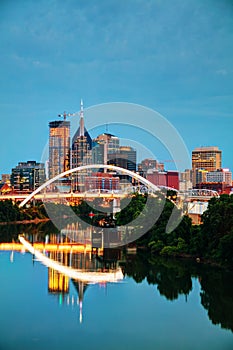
column 81, row 123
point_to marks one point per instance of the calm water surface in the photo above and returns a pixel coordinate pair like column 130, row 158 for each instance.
column 159, row 304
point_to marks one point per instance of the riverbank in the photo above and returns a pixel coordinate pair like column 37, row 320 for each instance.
column 24, row 222
column 187, row 257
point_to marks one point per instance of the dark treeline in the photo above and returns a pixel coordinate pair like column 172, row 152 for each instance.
column 10, row 212
column 211, row 241
column 10, row 233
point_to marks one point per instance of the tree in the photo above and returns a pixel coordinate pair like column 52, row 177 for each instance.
column 217, row 224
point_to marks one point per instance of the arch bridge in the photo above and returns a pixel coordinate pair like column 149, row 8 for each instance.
column 147, row 184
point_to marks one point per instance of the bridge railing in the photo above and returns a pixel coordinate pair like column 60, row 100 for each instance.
column 202, row 193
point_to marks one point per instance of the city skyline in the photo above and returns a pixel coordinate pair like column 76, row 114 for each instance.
column 60, row 124
column 172, row 57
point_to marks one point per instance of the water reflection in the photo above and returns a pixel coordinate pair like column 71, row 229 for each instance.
column 217, row 296
column 172, row 278
column 64, row 262
column 9, row 233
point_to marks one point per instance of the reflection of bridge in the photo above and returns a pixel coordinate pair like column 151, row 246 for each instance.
column 85, row 276
column 80, row 277
column 49, row 247
column 61, row 260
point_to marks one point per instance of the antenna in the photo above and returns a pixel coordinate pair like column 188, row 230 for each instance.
column 81, row 107
column 81, row 123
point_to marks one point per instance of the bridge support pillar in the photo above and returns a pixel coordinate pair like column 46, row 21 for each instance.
column 116, row 206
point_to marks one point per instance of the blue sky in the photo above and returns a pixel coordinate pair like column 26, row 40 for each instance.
column 173, row 56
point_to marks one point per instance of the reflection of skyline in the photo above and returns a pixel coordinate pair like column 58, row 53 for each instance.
column 172, row 278
column 82, row 268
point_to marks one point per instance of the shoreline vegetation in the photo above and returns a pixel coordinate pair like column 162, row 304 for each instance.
column 24, row 222
column 211, row 242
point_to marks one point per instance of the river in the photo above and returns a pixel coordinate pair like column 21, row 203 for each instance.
column 153, row 303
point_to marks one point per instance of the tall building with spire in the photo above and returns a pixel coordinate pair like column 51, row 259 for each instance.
column 80, row 151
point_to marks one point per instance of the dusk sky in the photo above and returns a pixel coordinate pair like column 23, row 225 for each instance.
column 175, row 57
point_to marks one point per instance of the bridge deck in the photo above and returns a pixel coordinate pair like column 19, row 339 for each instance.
column 58, row 195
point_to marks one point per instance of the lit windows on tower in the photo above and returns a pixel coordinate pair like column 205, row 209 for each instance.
column 59, row 147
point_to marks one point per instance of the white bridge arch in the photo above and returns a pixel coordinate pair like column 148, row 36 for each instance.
column 86, row 167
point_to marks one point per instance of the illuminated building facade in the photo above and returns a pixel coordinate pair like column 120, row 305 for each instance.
column 221, row 175
column 81, row 153
column 206, row 158
column 164, row 178
column 27, row 176
column 219, row 180
column 6, row 178
column 200, row 175
column 104, row 146
column 147, row 164
column 102, row 181
column 186, row 180
column 59, row 147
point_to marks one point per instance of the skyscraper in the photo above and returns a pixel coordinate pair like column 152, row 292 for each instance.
column 125, row 157
column 81, row 144
column 98, row 151
column 185, row 180
column 104, row 145
column 27, row 176
column 59, row 147
column 131, row 156
column 149, row 163
column 205, row 158
column 81, row 151
column 221, row 176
